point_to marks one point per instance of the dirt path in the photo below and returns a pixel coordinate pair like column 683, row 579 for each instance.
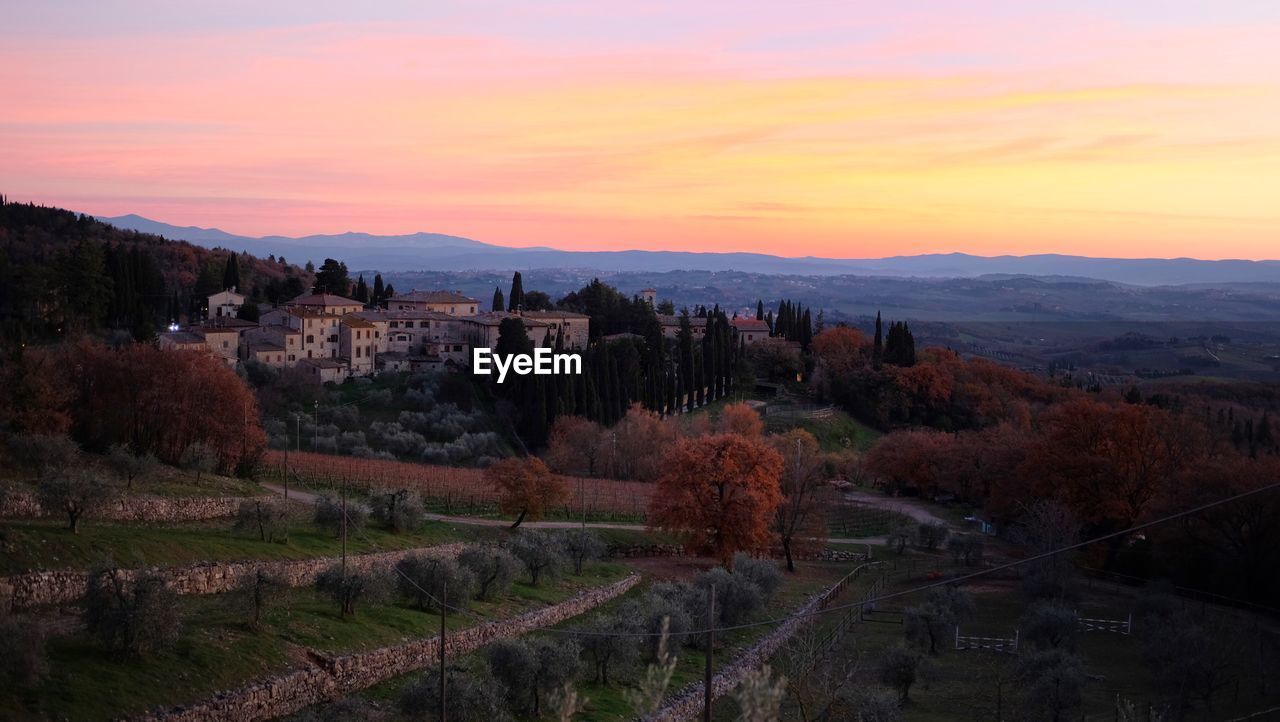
column 912, row 508
column 306, row 497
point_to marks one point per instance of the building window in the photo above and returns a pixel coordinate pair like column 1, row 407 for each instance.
column 311, row 339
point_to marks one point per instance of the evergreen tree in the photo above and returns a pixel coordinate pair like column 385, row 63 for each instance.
column 378, row 290
column 515, row 301
column 877, row 350
column 332, row 278
column 498, row 302
column 361, row 293
column 759, row 310
column 231, row 272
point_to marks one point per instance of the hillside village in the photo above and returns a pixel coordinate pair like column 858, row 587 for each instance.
column 334, row 338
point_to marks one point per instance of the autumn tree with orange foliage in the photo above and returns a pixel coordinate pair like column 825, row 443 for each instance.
column 629, row 445
column 801, row 520
column 915, row 459
column 162, row 402
column 35, row 397
column 741, row 419
column 574, row 446
column 526, row 487
column 719, row 494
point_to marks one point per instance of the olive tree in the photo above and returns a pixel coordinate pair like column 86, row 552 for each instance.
column 266, row 518
column 431, row 581
column 469, row 697
column 581, row 546
column 1048, row 625
column 200, row 458
column 74, row 492
column 900, row 668
column 347, row 589
column 399, row 510
column 607, row 644
column 44, row 454
column 943, row 609
column 329, row 514
column 531, row 669
column 23, row 661
column 540, row 553
column 494, row 569
column 131, row 616
column 129, row 466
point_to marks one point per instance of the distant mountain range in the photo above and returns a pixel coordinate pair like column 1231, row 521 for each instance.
column 439, row 252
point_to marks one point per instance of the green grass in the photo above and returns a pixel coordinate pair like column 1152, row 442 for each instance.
column 218, row 651
column 860, row 521
column 835, row 433
column 33, row 545
column 163, row 480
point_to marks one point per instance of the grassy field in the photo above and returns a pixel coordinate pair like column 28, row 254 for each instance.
column 34, row 545
column 161, row 481
column 219, row 651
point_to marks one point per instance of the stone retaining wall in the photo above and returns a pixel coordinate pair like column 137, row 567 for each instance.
column 853, row 554
column 336, row 677
column 22, row 503
column 23, row 591
column 686, row 704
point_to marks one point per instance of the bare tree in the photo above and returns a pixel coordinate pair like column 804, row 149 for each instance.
column 131, row 616
column 74, row 492
column 800, row 521
column 129, row 466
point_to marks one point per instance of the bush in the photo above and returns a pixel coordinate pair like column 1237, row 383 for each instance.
column 268, row 519
column 966, row 548
column 399, row 510
column 581, row 546
column 427, row 580
column 354, row 587
column 45, row 454
column 131, row 616
column 74, row 492
column 468, row 698
column 540, row 553
column 328, row 514
column 494, row 569
column 931, row 535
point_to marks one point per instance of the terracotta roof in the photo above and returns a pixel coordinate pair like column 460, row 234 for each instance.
column 495, row 318
column 433, row 297
column 265, row 346
column 749, row 324
column 404, row 315
column 182, row 337
column 228, row 323
column 324, row 363
column 356, row 322
column 322, row 299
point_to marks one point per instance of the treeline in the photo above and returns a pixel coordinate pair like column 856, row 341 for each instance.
column 629, row 361
column 63, row 273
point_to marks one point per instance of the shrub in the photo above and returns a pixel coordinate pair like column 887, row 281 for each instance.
column 494, row 569
column 540, row 553
column 468, row 698
column 328, row 514
column 428, row 580
column 74, row 492
column 350, row 588
column 581, row 545
column 131, row 616
column 266, row 518
column 399, row 510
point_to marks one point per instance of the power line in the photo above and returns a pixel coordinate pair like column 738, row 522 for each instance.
column 943, row 582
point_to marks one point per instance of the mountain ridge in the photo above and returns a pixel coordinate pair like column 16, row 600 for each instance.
column 437, row 251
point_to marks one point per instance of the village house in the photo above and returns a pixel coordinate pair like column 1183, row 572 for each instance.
column 575, row 326
column 482, row 329
column 671, row 325
column 325, row 303
column 448, row 302
column 275, row 345
column 356, row 345
column 225, row 303
column 750, row 330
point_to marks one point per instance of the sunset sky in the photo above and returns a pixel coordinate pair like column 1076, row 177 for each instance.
column 843, row 129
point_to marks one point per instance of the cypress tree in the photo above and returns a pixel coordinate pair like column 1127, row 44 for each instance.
column 516, row 299
column 877, row 351
column 361, row 293
column 498, row 302
column 378, row 289
column 231, row 273
column 759, row 310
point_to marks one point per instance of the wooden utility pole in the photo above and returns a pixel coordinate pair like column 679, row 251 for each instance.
column 444, row 594
column 711, row 642
column 344, row 529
